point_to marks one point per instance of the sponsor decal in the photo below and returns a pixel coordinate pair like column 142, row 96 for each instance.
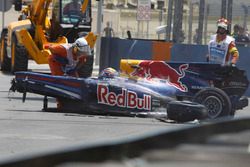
column 199, row 87
column 126, row 99
column 234, row 83
column 162, row 70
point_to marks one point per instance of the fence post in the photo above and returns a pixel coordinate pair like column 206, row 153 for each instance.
column 229, row 13
column 201, row 20
column 190, row 22
column 223, row 8
column 169, row 21
column 206, row 22
column 178, row 15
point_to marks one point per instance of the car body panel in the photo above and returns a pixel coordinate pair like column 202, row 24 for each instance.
column 111, row 95
column 190, row 78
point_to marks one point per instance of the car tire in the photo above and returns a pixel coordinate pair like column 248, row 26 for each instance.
column 4, row 59
column 217, row 102
column 184, row 111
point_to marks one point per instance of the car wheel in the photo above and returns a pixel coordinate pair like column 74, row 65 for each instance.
column 183, row 111
column 216, row 101
column 4, row 59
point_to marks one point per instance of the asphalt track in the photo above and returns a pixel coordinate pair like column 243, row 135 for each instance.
column 27, row 130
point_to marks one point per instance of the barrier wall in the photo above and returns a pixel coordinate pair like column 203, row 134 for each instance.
column 184, row 52
column 114, row 49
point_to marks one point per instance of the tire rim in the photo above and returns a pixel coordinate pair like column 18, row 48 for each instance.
column 213, row 105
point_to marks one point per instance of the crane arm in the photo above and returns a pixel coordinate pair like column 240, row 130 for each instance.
column 39, row 10
column 84, row 5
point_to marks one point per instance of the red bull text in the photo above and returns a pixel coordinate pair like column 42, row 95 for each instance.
column 128, row 99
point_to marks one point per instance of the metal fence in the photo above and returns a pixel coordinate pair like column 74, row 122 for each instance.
column 195, row 16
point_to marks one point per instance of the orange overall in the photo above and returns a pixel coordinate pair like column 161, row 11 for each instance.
column 62, row 56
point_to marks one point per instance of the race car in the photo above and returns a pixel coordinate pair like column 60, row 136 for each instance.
column 110, row 94
column 178, row 91
column 220, row 88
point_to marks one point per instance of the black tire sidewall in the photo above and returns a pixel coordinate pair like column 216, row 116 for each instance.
column 202, row 95
column 183, row 111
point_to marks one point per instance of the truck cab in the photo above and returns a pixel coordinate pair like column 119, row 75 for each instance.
column 71, row 23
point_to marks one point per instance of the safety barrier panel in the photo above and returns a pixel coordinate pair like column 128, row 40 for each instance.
column 114, row 49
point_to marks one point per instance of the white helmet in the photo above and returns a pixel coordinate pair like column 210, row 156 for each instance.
column 223, row 23
column 82, row 46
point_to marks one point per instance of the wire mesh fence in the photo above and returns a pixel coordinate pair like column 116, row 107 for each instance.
column 123, row 19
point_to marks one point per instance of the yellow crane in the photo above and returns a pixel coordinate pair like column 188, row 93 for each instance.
column 44, row 22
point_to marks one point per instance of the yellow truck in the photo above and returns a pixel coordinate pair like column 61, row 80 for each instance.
column 44, row 22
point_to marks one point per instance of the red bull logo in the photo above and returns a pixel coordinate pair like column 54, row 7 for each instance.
column 127, row 98
column 162, row 70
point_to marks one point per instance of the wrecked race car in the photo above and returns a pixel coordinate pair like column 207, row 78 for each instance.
column 220, row 88
column 106, row 95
